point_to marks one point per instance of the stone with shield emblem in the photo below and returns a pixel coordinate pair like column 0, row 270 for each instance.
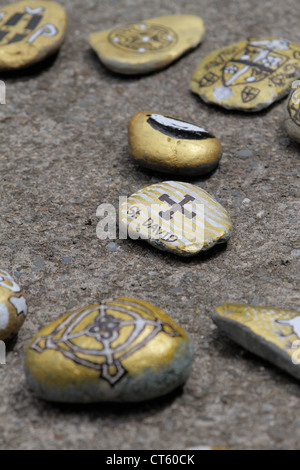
column 292, row 114
column 29, row 32
column 148, row 45
column 249, row 75
column 121, row 350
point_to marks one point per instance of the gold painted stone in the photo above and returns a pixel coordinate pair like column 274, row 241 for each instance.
column 29, row 32
column 120, row 350
column 149, row 45
column 249, row 75
column 176, row 217
column 292, row 115
column 271, row 333
column 170, row 145
column 13, row 307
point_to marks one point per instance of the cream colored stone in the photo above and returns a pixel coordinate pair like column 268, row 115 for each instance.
column 148, row 45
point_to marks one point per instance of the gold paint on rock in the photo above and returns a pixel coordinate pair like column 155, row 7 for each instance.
column 292, row 118
column 249, row 75
column 108, row 341
column 149, row 45
column 176, row 217
column 29, row 32
column 269, row 332
column 172, row 149
column 13, row 307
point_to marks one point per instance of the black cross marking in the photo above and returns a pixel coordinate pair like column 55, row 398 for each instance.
column 33, row 22
column 176, row 207
column 261, row 67
column 17, row 38
column 13, row 20
column 249, row 93
column 3, row 34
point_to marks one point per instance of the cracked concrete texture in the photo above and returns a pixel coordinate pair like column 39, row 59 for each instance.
column 64, row 151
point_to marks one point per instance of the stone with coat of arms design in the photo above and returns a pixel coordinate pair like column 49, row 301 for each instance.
column 249, row 75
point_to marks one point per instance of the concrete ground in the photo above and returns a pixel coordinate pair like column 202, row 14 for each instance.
column 63, row 151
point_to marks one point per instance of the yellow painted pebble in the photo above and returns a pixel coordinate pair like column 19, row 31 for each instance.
column 271, row 333
column 170, row 145
column 13, row 307
column 176, row 217
column 292, row 118
column 148, row 45
column 249, row 75
column 29, row 32
column 120, row 350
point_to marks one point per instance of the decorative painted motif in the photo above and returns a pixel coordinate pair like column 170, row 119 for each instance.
column 13, row 307
column 143, row 38
column 120, row 350
column 148, row 45
column 41, row 24
column 176, row 217
column 113, row 331
column 249, row 75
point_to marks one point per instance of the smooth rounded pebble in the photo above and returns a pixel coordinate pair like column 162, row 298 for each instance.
column 13, row 306
column 29, row 32
column 176, row 217
column 121, row 350
column 148, row 45
column 249, row 75
column 170, row 145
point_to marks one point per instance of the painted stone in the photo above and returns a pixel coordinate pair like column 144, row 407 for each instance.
column 149, row 45
column 170, row 145
column 271, row 333
column 249, row 75
column 176, row 217
column 292, row 117
column 120, row 350
column 13, row 307
column 29, row 32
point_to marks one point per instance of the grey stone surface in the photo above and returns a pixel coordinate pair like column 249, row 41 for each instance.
column 64, row 151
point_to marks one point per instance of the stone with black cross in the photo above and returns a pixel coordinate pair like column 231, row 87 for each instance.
column 174, row 216
column 29, row 32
